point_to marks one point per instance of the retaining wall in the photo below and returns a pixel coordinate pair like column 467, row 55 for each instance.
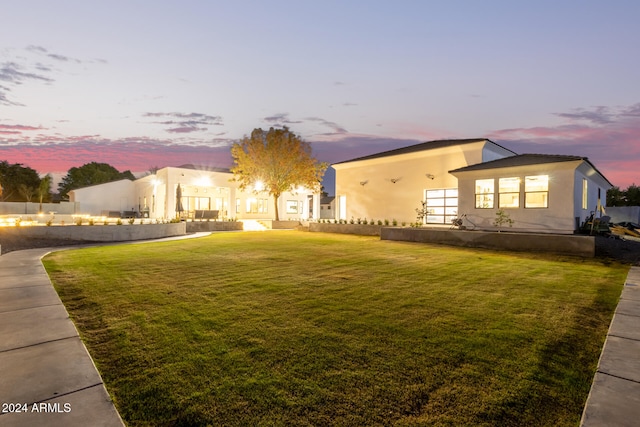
column 584, row 246
column 196, row 226
column 98, row 233
column 359, row 229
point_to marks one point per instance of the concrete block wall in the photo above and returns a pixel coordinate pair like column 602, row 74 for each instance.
column 359, row 229
column 99, row 233
column 584, row 246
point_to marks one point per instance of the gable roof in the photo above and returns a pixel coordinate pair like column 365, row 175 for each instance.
column 526, row 160
column 424, row 146
column 327, row 200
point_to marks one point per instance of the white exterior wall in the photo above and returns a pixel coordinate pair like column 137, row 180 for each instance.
column 564, row 198
column 219, row 189
column 111, row 196
column 379, row 198
column 595, row 184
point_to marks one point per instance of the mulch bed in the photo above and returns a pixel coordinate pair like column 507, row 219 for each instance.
column 626, row 251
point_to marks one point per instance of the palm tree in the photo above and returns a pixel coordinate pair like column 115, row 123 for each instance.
column 44, row 189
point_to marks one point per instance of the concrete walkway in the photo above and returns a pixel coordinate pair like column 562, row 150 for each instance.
column 47, row 377
column 614, row 399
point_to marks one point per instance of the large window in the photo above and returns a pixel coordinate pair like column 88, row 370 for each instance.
column 442, row 205
column 484, row 193
column 536, row 191
column 196, row 203
column 509, row 192
column 585, row 194
column 257, row 205
column 292, row 207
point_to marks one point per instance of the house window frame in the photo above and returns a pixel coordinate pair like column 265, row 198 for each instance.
column 530, row 192
column 506, row 191
column 485, row 193
column 291, row 207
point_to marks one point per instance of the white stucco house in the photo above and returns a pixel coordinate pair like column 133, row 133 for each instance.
column 470, row 179
column 202, row 190
column 116, row 196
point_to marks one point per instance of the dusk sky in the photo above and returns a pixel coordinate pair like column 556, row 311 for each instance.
column 139, row 84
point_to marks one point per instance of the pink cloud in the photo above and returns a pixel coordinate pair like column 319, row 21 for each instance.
column 137, row 155
column 612, row 145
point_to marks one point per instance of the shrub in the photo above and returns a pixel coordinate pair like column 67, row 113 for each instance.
column 386, row 222
column 119, row 222
column 49, row 222
column 404, row 223
column 91, row 221
column 78, row 221
column 502, row 218
column 351, row 221
column 379, row 222
column 394, row 222
column 106, row 222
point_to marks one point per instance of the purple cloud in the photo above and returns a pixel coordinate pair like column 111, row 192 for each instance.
column 186, row 123
column 280, row 119
column 599, row 115
column 337, row 129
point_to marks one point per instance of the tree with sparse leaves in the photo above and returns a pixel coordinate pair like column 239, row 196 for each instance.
column 278, row 160
column 90, row 174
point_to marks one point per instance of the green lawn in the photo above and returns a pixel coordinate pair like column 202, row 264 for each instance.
column 289, row 328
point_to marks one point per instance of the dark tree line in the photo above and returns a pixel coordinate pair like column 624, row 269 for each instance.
column 19, row 183
column 628, row 197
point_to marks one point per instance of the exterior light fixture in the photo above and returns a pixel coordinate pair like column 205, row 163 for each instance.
column 258, row 186
column 430, row 176
column 363, row 183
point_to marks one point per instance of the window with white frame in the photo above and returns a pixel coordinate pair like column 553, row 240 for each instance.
column 292, row 206
column 442, row 205
column 536, row 191
column 257, row 205
column 509, row 192
column 485, row 193
column 585, row 194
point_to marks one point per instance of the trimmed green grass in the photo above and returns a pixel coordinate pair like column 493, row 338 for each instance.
column 288, row 328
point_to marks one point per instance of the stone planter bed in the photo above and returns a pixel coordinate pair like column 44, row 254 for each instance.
column 197, row 226
column 96, row 233
column 566, row 244
column 553, row 243
column 359, row 229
